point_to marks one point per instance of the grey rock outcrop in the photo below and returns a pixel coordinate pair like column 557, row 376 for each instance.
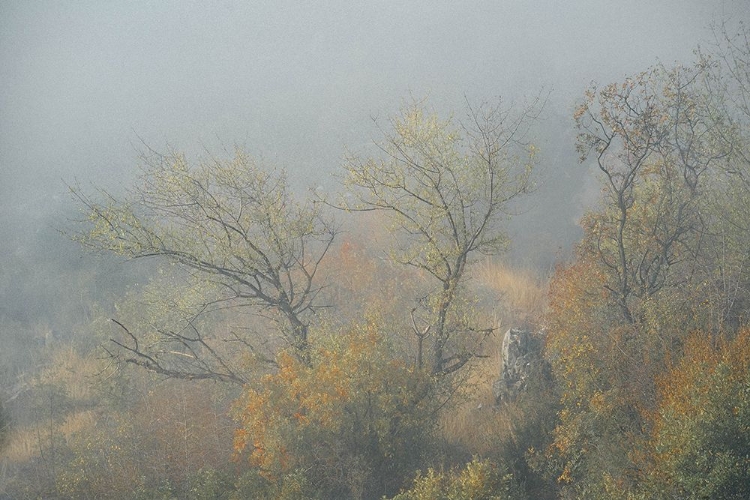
column 521, row 360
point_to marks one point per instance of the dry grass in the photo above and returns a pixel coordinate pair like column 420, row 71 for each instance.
column 24, row 444
column 516, row 297
column 472, row 419
column 27, row 442
column 520, row 294
column 77, row 422
column 70, row 373
column 68, row 369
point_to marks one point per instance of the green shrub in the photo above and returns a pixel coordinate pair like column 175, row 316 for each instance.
column 478, row 480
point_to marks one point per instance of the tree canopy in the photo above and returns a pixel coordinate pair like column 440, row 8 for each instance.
column 231, row 225
column 446, row 187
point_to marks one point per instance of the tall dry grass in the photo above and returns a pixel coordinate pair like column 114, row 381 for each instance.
column 520, row 294
column 509, row 297
column 30, row 441
column 71, row 377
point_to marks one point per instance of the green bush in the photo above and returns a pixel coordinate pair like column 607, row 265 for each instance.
column 478, row 480
column 211, row 484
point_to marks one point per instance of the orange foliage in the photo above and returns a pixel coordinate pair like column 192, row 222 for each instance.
column 689, row 382
column 701, row 431
column 577, row 315
column 356, row 403
column 601, row 373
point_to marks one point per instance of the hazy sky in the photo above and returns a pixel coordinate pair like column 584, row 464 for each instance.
column 82, row 81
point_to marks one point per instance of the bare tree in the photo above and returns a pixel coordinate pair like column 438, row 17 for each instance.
column 446, row 187
column 232, row 225
column 653, row 140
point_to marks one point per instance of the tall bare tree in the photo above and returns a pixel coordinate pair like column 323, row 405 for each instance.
column 653, row 140
column 229, row 223
column 446, row 186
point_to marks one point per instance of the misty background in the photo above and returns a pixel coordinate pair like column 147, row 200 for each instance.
column 85, row 85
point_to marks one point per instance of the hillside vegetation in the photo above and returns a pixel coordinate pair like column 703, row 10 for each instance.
column 344, row 345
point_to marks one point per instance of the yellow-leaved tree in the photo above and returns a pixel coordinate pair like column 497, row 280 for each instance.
column 231, row 227
column 354, row 422
column 446, row 187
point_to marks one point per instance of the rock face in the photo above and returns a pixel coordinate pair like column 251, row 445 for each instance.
column 521, row 357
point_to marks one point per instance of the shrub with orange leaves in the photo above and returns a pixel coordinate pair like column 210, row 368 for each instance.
column 701, row 439
column 603, row 375
column 356, row 421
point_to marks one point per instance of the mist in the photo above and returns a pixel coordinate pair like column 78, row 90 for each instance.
column 84, row 83
column 86, row 86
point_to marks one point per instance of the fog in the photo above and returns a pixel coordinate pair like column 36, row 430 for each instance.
column 84, row 82
column 85, row 86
